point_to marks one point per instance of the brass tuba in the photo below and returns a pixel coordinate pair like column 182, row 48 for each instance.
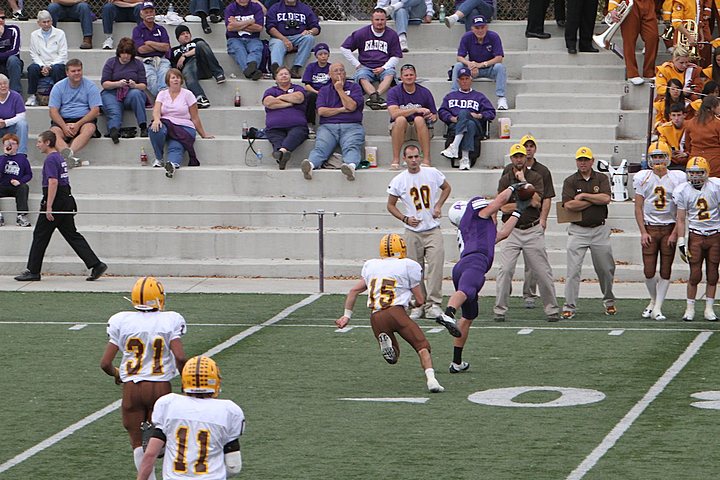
column 603, row 40
column 692, row 27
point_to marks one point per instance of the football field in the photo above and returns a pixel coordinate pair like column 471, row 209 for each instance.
column 595, row 397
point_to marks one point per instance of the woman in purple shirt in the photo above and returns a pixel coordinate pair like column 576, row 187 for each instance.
column 285, row 122
column 124, row 84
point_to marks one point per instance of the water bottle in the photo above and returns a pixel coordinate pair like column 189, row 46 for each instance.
column 245, row 129
column 171, row 8
column 259, row 156
column 238, row 100
column 643, row 162
column 143, row 157
column 441, row 14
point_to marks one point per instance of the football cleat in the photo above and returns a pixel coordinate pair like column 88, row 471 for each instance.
column 568, row 314
column 392, row 245
column 201, row 375
column 689, row 314
column 647, row 313
column 148, row 294
column 449, row 323
column 658, row 316
column 386, row 348
column 434, row 386
column 458, row 368
column 710, row 316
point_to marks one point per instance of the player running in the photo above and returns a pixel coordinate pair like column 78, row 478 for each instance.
column 149, row 339
column 393, row 280
column 655, row 213
column 697, row 203
column 200, row 432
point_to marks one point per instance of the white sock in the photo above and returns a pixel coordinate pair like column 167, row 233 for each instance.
column 138, row 456
column 465, row 155
column 454, row 17
column 662, row 288
column 430, row 374
column 651, row 284
column 457, row 141
column 709, row 302
column 690, row 304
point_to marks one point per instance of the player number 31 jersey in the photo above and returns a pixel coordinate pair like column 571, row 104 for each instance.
column 390, row 280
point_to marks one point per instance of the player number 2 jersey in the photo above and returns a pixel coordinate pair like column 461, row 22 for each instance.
column 659, row 206
column 196, row 430
column 144, row 340
column 701, row 205
column 390, row 280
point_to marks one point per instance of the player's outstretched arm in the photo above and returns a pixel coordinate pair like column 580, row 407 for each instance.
column 352, row 295
column 494, row 206
column 148, row 462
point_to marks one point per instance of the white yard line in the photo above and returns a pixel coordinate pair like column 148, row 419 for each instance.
column 626, row 422
column 115, row 405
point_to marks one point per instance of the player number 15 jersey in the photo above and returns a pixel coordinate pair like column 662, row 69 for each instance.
column 390, row 281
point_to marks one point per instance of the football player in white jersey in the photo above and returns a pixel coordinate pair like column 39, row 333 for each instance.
column 697, row 207
column 655, row 214
column 152, row 355
column 199, row 431
column 392, row 280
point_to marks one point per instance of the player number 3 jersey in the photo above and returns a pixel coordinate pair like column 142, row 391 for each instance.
column 390, row 280
column 658, row 206
column 144, row 340
column 196, row 431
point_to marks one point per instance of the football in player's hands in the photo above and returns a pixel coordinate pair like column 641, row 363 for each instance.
column 526, row 191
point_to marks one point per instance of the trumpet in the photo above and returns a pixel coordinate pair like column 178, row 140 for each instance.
column 692, row 45
column 603, row 40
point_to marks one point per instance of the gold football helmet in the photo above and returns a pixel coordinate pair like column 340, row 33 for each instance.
column 392, row 245
column 148, row 294
column 201, row 375
column 697, row 171
column 659, row 154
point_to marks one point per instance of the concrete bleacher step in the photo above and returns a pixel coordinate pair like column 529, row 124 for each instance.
column 560, row 73
column 591, row 102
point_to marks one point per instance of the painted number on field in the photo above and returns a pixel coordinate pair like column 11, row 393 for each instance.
column 505, row 397
column 710, row 400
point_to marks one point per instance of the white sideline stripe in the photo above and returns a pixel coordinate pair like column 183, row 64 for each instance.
column 50, row 441
column 343, row 330
column 626, row 422
column 78, row 326
column 436, row 330
column 616, row 333
column 525, row 331
column 389, row 399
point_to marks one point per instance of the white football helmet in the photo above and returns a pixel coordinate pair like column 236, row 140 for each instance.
column 456, row 212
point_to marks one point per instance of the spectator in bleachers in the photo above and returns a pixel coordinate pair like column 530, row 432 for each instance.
column 697, row 11
column 402, row 11
column 702, row 134
column 673, row 95
column 712, row 72
column 679, row 67
column 340, row 109
column 412, row 114
column 484, row 52
column 152, row 43
column 118, row 11
column 469, row 9
column 18, row 14
column 124, row 83
column 176, row 123
column 207, row 10
column 15, row 173
column 710, row 88
column 466, row 113
column 49, row 52
column 196, row 60
column 316, row 76
column 12, row 113
column 378, row 53
column 672, row 133
column 292, row 26
column 10, row 62
column 285, row 121
column 74, row 10
column 244, row 21
column 74, row 107
column 642, row 21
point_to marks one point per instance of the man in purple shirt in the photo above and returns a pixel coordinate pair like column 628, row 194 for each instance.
column 15, row 173
column 74, row 10
column 292, row 25
column 466, row 113
column 340, row 108
column 244, row 21
column 57, row 198
column 412, row 114
column 153, row 44
column 484, row 52
column 10, row 62
column 378, row 54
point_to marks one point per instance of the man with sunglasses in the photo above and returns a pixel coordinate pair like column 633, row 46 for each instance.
column 412, row 113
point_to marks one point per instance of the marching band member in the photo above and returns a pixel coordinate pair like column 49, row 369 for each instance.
column 673, row 95
column 697, row 11
column 641, row 20
column 679, row 67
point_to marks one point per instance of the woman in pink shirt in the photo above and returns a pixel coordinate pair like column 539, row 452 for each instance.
column 175, row 123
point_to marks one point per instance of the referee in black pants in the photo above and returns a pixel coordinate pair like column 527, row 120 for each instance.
column 57, row 197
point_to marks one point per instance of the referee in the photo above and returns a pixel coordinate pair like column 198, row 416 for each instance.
column 57, row 197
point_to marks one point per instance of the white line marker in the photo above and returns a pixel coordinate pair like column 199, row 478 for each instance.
column 626, row 422
column 343, row 330
column 436, row 330
column 616, row 333
column 525, row 331
column 115, row 405
column 78, row 326
column 389, row 399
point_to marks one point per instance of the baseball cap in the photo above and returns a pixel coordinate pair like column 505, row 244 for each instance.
column 528, row 138
column 180, row 29
column 147, row 5
column 583, row 152
column 464, row 72
column 478, row 21
column 517, row 149
column 321, row 47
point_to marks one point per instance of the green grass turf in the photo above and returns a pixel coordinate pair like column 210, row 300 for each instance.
column 288, row 378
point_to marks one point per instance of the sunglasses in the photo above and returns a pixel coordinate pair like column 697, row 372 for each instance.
column 2, row 17
column 407, row 66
